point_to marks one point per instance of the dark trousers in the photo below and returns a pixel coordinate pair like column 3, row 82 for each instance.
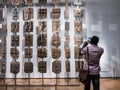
column 95, row 82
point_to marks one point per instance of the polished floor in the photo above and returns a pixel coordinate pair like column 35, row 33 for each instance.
column 53, row 84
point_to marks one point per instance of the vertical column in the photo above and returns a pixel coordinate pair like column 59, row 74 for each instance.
column 28, row 17
column 67, row 39
column 56, row 39
column 15, row 65
column 79, row 35
column 42, row 39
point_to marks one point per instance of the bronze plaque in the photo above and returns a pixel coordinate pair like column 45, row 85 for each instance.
column 42, row 1
column 28, row 67
column 42, row 13
column 42, row 67
column 56, row 53
column 28, row 40
column 14, row 53
column 55, row 1
column 77, row 25
column 78, row 13
column 3, row 54
column 67, row 52
column 14, row 27
column 78, row 65
column 3, row 68
column 15, row 2
column 15, row 14
column 78, row 39
column 42, row 52
column 28, row 2
column 56, row 40
column 14, row 40
column 55, row 13
column 14, row 67
column 67, row 66
column 28, row 14
column 56, row 25
column 67, row 26
column 56, row 67
column 42, row 40
column 28, row 53
column 28, row 26
column 4, row 26
column 42, row 26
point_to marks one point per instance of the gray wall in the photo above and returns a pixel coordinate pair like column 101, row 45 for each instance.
column 102, row 19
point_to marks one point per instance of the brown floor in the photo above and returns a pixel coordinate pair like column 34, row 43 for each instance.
column 50, row 84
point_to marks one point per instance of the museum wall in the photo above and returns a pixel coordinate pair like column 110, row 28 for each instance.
column 101, row 18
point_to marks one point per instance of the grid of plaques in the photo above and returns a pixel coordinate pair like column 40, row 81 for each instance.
column 56, row 43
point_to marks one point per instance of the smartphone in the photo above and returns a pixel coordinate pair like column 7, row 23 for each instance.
column 89, row 39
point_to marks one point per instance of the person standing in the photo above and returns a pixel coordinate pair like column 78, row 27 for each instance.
column 95, row 53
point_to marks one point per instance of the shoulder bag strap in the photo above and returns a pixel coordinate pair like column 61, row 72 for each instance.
column 88, row 58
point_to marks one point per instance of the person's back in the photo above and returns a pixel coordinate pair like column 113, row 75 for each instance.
column 95, row 53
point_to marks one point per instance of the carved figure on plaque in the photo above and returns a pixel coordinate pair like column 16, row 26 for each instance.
column 78, row 39
column 56, row 67
column 15, row 2
column 42, row 26
column 28, row 2
column 66, row 12
column 15, row 14
column 67, row 26
column 4, row 12
column 3, row 40
column 78, row 13
column 14, row 53
column 14, row 67
column 3, row 54
column 3, row 68
column 28, row 52
column 56, row 25
column 28, row 13
column 42, row 67
column 42, row 13
column 42, row 52
column 42, row 1
column 55, row 1
column 4, row 26
column 67, row 39
column 55, row 13
column 67, row 66
column 56, row 40
column 28, row 67
column 28, row 40
column 78, row 65
column 56, row 53
column 76, row 52
column 14, row 27
column 77, row 26
column 14, row 40
column 42, row 40
column 28, row 26
column 67, row 52
column 4, row 1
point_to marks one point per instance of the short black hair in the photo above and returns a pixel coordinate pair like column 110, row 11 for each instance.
column 94, row 40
